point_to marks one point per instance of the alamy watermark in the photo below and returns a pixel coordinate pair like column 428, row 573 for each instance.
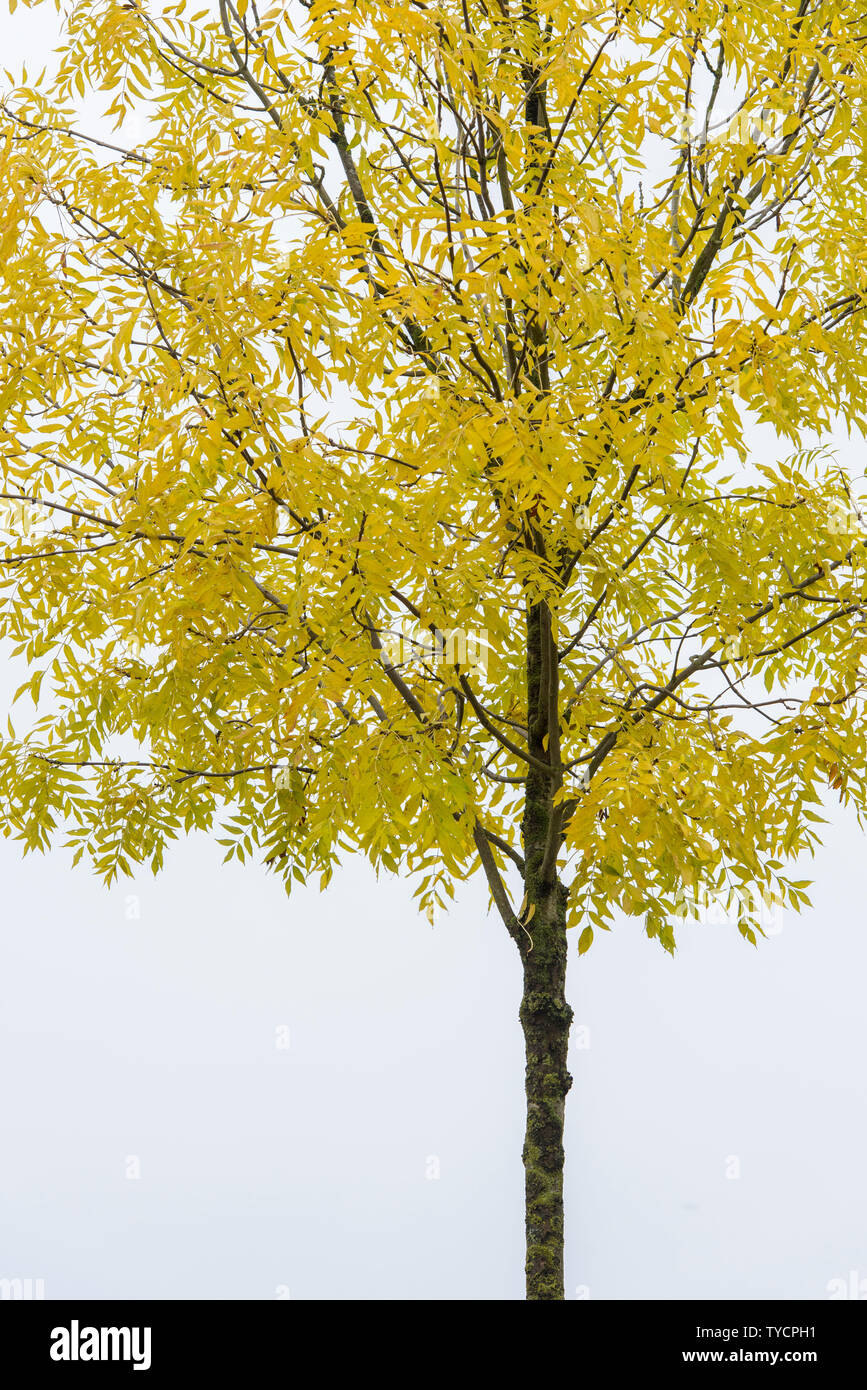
column 408, row 645
column 854, row 1287
column 21, row 1290
column 728, row 906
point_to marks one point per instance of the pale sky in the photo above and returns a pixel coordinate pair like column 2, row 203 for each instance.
column 161, row 1141
column 156, row 1037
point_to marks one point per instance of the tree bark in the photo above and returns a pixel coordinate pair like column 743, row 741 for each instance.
column 545, row 1018
column 545, row 1015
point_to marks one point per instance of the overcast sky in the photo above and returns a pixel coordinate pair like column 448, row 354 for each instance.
column 147, row 1023
column 211, row 1091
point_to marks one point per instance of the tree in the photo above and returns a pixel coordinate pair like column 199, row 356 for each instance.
column 379, row 458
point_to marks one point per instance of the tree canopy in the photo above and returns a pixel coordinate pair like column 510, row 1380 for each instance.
column 400, row 335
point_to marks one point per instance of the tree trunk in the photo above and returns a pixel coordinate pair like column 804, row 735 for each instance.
column 545, row 1015
column 545, row 1019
